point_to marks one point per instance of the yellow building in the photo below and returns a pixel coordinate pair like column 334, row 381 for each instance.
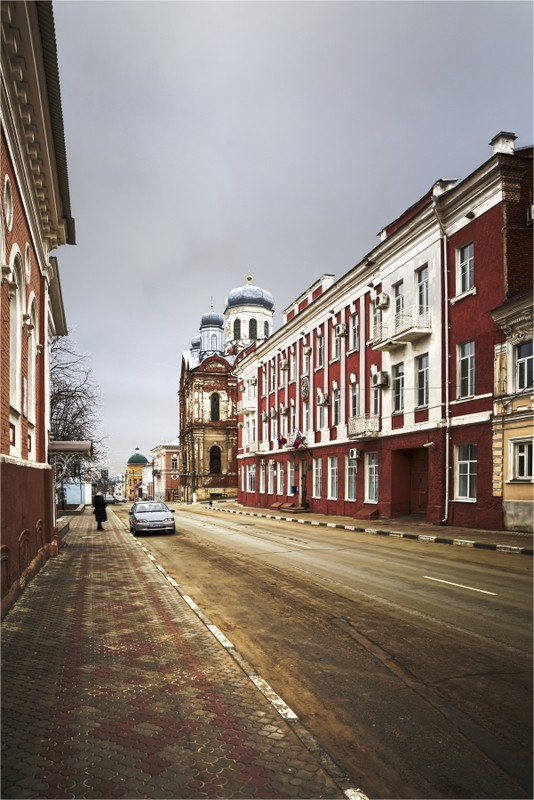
column 513, row 413
column 134, row 475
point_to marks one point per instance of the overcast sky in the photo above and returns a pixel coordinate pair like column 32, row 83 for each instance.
column 209, row 139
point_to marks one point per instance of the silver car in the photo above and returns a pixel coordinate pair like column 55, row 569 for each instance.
column 151, row 515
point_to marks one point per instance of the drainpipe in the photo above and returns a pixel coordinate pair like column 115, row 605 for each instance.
column 444, row 241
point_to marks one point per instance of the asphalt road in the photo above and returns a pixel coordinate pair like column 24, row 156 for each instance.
column 411, row 663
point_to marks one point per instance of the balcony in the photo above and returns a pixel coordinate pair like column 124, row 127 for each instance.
column 366, row 426
column 408, row 325
column 246, row 405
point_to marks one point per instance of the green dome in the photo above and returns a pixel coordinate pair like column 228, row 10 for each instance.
column 137, row 458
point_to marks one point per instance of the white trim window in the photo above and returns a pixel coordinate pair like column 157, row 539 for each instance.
column 421, row 365
column 422, row 289
column 306, row 416
column 466, row 369
column 521, row 462
column 280, row 477
column 270, row 478
column 332, row 477
column 354, row 334
column 317, row 476
column 355, row 399
column 335, row 345
column 290, row 477
column 524, row 362
column 466, row 472
column 398, row 387
column 319, row 350
column 371, row 482
column 351, row 473
column 466, row 268
column 251, row 477
column 336, row 406
column 262, row 478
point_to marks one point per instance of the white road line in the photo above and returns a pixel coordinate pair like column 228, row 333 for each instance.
column 219, row 635
column 274, row 699
column 460, row 585
column 355, row 794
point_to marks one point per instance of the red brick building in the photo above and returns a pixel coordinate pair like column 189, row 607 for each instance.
column 375, row 397
column 35, row 220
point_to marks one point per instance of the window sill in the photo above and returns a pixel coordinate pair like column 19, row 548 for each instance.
column 470, row 500
column 458, row 297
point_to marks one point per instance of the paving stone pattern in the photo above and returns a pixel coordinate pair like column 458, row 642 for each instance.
column 113, row 688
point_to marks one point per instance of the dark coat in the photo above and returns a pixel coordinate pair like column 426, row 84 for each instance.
column 99, row 505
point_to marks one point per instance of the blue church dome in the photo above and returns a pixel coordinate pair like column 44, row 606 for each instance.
column 211, row 319
column 250, row 295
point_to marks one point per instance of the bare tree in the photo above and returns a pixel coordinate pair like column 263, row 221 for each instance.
column 74, row 402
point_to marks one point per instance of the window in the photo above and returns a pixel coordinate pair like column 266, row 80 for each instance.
column 215, row 407
column 466, row 268
column 466, row 377
column 523, row 366
column 354, row 332
column 266, row 329
column 293, row 418
column 306, row 416
column 354, row 400
column 335, row 345
column 273, row 376
column 251, row 477
column 522, row 460
column 280, row 477
column 317, row 476
column 422, row 289
column 174, row 462
column 422, row 379
column 377, row 323
column 270, row 478
column 320, row 351
column 332, row 477
column 372, row 478
column 398, row 295
column 398, row 387
column 321, row 422
column 351, row 472
column 466, row 455
column 253, row 329
column 375, row 401
column 336, row 406
column 290, row 477
column 237, row 329
column 262, row 478
column 215, row 460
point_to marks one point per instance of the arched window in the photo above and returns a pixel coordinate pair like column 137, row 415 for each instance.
column 215, row 460
column 214, row 341
column 266, row 329
column 237, row 329
column 15, row 344
column 253, row 329
column 215, row 403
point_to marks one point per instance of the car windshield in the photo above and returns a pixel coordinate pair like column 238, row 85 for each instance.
column 147, row 508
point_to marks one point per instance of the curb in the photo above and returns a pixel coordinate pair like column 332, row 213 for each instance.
column 420, row 537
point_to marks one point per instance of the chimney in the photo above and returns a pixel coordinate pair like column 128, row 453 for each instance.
column 503, row 143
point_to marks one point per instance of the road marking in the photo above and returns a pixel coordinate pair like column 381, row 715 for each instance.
column 219, row 635
column 275, row 699
column 460, row 585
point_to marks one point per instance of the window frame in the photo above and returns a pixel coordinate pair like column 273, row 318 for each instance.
column 466, row 361
column 466, row 470
column 465, row 268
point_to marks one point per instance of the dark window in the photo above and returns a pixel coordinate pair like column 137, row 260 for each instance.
column 215, row 407
column 215, row 460
column 253, row 329
column 266, row 329
column 237, row 329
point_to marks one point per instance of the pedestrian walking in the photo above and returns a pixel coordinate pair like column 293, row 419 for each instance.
column 99, row 505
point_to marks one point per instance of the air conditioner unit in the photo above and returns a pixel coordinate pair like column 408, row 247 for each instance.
column 283, row 411
column 341, row 329
column 354, row 453
column 379, row 379
column 264, row 416
column 381, row 300
column 307, row 350
column 284, row 363
column 272, row 413
column 253, row 381
column 322, row 399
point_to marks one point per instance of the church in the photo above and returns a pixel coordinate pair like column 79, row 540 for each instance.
column 208, row 395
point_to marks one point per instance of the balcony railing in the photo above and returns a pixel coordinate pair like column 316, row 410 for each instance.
column 406, row 326
column 246, row 404
column 364, row 426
